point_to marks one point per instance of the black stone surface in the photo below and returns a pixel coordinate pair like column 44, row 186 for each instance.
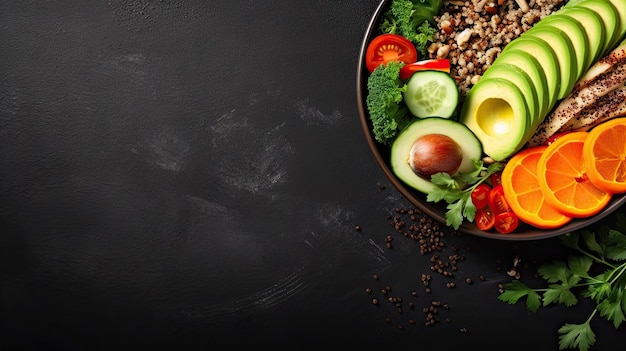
column 190, row 175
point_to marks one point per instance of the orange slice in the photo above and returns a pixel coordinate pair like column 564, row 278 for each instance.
column 522, row 191
column 604, row 155
column 563, row 180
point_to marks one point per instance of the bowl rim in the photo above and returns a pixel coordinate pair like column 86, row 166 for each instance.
column 436, row 210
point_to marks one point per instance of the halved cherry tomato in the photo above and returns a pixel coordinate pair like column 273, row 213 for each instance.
column 389, row 47
column 480, row 195
column 484, row 218
column 497, row 201
column 506, row 222
column 424, row 65
column 496, row 178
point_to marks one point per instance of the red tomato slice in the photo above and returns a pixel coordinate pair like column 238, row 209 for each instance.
column 480, row 195
column 389, row 47
column 496, row 178
column 506, row 222
column 407, row 71
column 497, row 201
column 484, row 219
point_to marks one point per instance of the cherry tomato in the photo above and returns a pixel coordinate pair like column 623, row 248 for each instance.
column 553, row 138
column 497, row 201
column 425, row 65
column 496, row 178
column 480, row 195
column 389, row 47
column 484, row 218
column 506, row 222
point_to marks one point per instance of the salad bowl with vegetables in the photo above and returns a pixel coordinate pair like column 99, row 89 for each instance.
column 475, row 116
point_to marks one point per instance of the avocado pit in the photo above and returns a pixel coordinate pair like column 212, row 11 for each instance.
column 435, row 153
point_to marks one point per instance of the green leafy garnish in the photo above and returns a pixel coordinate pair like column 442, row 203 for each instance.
column 456, row 191
column 414, row 20
column 602, row 252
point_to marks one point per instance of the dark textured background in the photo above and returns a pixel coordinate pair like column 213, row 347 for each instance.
column 190, row 173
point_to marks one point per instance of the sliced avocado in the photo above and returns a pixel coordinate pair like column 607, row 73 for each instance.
column 495, row 110
column 621, row 29
column 577, row 35
column 594, row 27
column 547, row 59
column 566, row 56
column 522, row 80
column 531, row 66
column 401, row 147
column 610, row 18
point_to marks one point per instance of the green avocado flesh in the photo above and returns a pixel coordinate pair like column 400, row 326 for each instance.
column 610, row 19
column 613, row 14
column 495, row 111
column 594, row 27
column 547, row 59
column 564, row 52
column 577, row 36
column 401, row 147
column 531, row 66
column 520, row 79
column 621, row 29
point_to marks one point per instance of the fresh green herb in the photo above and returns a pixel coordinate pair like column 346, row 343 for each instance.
column 456, row 191
column 384, row 102
column 414, row 20
column 597, row 271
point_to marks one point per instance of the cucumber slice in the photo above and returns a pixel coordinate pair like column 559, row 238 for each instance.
column 431, row 94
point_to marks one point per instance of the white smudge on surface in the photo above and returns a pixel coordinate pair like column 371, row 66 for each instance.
column 266, row 298
column 333, row 216
column 313, row 116
column 164, row 150
column 248, row 157
column 130, row 63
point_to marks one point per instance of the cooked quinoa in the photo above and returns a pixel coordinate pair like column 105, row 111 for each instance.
column 473, row 33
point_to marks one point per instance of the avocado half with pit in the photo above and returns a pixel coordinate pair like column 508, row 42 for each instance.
column 496, row 111
column 401, row 149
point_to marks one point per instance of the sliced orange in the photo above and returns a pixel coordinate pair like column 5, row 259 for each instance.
column 604, row 155
column 563, row 180
column 522, row 192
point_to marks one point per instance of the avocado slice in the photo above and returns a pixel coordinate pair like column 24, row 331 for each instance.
column 522, row 80
column 531, row 66
column 621, row 30
column 565, row 54
column 577, row 35
column 495, row 110
column 547, row 59
column 401, row 148
column 617, row 6
column 594, row 27
column 610, row 19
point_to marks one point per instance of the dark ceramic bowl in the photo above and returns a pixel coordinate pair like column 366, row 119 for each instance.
column 437, row 210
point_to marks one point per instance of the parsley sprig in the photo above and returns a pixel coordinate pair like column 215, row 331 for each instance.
column 456, row 191
column 597, row 272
